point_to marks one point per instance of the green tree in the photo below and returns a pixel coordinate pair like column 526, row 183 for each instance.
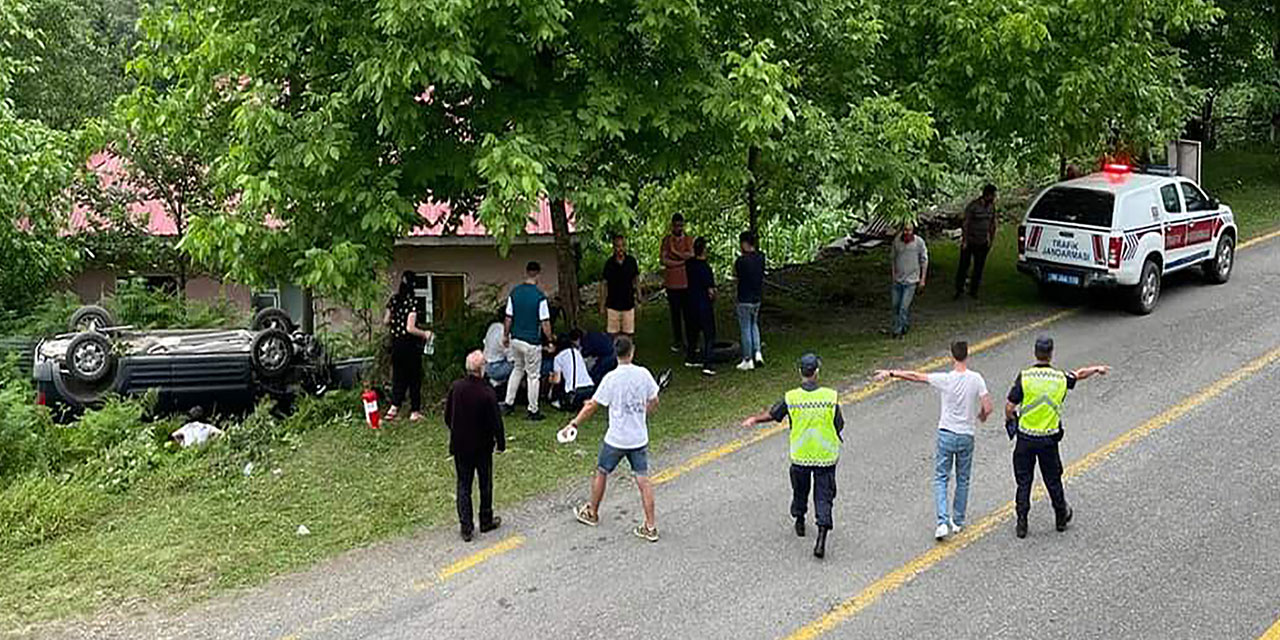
column 36, row 166
column 76, row 52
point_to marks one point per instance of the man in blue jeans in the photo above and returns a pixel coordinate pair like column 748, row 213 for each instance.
column 965, row 403
column 749, row 269
column 630, row 394
column 910, row 260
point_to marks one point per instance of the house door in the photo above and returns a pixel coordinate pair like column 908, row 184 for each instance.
column 450, row 296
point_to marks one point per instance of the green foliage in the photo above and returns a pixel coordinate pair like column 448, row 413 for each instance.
column 39, row 508
column 27, row 438
column 134, row 304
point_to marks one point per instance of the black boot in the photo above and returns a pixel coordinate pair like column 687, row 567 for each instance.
column 467, row 534
column 492, row 524
column 1021, row 528
column 820, row 549
column 800, row 526
column 1064, row 519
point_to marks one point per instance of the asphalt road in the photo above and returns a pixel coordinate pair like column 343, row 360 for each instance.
column 1177, row 535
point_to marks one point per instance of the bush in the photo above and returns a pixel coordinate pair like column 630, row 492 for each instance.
column 135, row 304
column 98, row 430
column 39, row 508
column 27, row 438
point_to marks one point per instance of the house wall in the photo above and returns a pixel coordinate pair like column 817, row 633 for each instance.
column 92, row 285
column 483, row 267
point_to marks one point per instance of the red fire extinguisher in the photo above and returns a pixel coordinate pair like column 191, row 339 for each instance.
column 371, row 415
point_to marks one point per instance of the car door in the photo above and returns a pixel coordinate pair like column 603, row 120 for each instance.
column 1201, row 223
column 1175, row 225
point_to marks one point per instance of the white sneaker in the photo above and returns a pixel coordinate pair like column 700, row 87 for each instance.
column 746, row 365
column 759, row 358
column 955, row 528
column 941, row 531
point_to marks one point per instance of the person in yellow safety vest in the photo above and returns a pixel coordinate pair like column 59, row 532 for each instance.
column 1034, row 415
column 816, row 425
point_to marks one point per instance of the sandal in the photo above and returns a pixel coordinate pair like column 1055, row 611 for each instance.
column 585, row 516
column 650, row 534
column 415, row 416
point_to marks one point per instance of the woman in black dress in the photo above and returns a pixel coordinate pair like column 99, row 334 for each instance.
column 407, row 340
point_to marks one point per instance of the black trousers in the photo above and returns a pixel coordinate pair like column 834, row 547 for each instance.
column 1025, row 454
column 978, row 254
column 468, row 467
column 823, row 480
column 406, row 372
column 700, row 339
column 678, row 301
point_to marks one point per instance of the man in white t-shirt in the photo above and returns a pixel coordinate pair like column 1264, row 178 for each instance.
column 630, row 393
column 571, row 377
column 965, row 403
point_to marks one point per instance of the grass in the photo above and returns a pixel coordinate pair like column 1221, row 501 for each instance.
column 182, row 536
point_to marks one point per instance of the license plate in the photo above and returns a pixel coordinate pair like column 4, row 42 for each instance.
column 1062, row 278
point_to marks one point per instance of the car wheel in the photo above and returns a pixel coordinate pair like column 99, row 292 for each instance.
column 89, row 357
column 271, row 353
column 90, row 317
column 1147, row 293
column 1218, row 270
column 272, row 318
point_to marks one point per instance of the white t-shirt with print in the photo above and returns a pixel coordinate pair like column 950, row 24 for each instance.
column 961, row 393
column 573, row 371
column 626, row 391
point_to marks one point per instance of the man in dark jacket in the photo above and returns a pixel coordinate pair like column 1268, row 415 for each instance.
column 474, row 419
column 702, row 317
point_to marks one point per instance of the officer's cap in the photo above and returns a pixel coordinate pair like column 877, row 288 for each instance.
column 809, row 364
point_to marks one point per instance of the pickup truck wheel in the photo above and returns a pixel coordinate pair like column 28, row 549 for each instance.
column 89, row 357
column 90, row 317
column 271, row 353
column 1147, row 293
column 1218, row 270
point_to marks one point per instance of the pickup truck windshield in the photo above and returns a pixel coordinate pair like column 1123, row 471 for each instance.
column 1075, row 206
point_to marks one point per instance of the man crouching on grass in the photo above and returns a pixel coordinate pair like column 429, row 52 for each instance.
column 630, row 393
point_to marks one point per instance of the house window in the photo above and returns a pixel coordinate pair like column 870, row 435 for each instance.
column 266, row 299
column 440, row 296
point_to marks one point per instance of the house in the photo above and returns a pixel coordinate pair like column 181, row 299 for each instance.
column 463, row 265
column 455, row 266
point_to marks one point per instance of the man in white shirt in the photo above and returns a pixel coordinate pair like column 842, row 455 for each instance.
column 572, row 377
column 630, row 393
column 965, row 403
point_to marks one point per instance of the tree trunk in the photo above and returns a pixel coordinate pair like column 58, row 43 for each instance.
column 308, row 312
column 567, row 266
column 1062, row 166
column 1206, row 121
column 753, row 209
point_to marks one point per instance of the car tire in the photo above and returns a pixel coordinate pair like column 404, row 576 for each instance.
column 1218, row 270
column 89, row 357
column 90, row 317
column 272, row 318
column 726, row 351
column 271, row 353
column 1146, row 294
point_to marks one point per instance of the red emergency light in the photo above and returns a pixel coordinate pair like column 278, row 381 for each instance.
column 1114, row 167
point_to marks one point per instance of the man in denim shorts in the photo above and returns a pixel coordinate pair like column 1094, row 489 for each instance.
column 630, row 394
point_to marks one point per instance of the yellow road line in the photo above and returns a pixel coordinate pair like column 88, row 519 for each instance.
column 856, row 395
column 513, row 542
column 907, row 572
column 1260, row 239
column 1271, row 634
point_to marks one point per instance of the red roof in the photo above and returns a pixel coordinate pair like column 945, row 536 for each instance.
column 436, row 213
column 110, row 169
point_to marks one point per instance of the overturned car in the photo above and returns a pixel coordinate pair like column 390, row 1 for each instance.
column 217, row 369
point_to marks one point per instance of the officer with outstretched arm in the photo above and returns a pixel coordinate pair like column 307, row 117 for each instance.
column 1033, row 416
